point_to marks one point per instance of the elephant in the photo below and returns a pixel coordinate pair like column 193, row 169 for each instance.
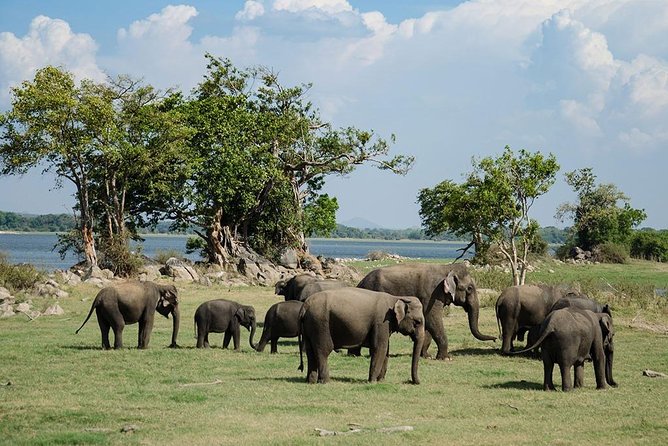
column 583, row 304
column 568, row 336
column 291, row 289
column 281, row 321
column 320, row 285
column 127, row 303
column 223, row 316
column 435, row 285
column 351, row 317
column 521, row 307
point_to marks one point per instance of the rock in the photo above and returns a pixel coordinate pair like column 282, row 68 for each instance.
column 108, row 274
column 179, row 270
column 5, row 294
column 149, row 273
column 311, row 263
column 94, row 272
column 204, row 280
column 98, row 282
column 6, row 310
column 54, row 310
column 289, row 259
column 249, row 269
column 50, row 288
column 23, row 307
column 70, row 278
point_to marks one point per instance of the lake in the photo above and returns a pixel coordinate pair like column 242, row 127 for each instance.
column 37, row 248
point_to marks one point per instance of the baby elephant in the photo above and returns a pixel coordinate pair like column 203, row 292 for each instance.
column 281, row 321
column 223, row 316
column 568, row 337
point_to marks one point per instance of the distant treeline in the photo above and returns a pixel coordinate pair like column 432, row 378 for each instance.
column 10, row 221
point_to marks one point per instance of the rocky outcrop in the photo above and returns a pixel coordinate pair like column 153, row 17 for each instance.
column 179, row 270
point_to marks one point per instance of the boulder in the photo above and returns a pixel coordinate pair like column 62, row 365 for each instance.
column 70, row 278
column 5, row 294
column 98, row 282
column 204, row 280
column 149, row 273
column 179, row 270
column 54, row 310
column 289, row 259
column 6, row 310
column 23, row 307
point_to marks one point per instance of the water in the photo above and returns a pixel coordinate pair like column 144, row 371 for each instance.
column 36, row 248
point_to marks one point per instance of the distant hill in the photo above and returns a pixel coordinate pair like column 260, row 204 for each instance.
column 360, row 223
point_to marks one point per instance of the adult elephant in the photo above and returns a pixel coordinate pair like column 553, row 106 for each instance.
column 435, row 285
column 128, row 303
column 352, row 317
column 223, row 316
column 281, row 321
column 568, row 337
column 522, row 307
column 292, row 288
column 320, row 285
column 583, row 304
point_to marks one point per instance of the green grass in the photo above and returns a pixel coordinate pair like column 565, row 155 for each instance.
column 66, row 390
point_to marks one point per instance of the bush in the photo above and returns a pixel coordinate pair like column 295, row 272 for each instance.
column 610, row 252
column 162, row 255
column 650, row 245
column 115, row 255
column 378, row 255
column 18, row 277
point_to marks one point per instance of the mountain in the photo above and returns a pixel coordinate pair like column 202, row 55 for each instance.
column 360, row 223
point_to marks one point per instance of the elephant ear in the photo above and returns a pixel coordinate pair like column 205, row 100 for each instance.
column 450, row 283
column 240, row 313
column 280, row 287
column 400, row 310
column 605, row 322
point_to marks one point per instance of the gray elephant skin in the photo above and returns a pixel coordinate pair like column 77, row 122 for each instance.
column 291, row 289
column 353, row 317
column 134, row 302
column 568, row 337
column 281, row 321
column 435, row 285
column 320, row 285
column 521, row 307
column 223, row 316
column 583, row 304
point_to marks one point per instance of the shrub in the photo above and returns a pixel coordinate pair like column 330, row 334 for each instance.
column 18, row 277
column 650, row 245
column 162, row 255
column 115, row 255
column 378, row 255
column 610, row 252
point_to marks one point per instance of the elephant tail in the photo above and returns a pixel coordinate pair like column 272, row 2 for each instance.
column 92, row 307
column 195, row 327
column 546, row 331
column 498, row 321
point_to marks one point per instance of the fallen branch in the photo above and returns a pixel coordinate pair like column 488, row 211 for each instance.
column 653, row 374
column 29, row 316
column 212, row 383
column 355, row 429
column 511, row 406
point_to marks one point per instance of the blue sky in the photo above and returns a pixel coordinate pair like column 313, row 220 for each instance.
column 586, row 80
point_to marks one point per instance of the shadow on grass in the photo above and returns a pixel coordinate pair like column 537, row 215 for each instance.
column 517, row 385
column 302, row 379
column 475, row 352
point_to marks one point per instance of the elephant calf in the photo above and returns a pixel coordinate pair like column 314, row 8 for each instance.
column 223, row 316
column 128, row 303
column 281, row 321
column 568, row 337
column 351, row 317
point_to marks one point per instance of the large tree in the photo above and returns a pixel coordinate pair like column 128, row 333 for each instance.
column 263, row 152
column 602, row 212
column 114, row 141
column 492, row 205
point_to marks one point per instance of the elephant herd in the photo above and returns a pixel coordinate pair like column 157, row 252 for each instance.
column 328, row 315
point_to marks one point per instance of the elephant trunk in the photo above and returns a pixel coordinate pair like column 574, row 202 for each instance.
column 176, row 320
column 608, row 368
column 252, row 333
column 418, row 342
column 472, row 309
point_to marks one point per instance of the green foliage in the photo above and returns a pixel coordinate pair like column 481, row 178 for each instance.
column 320, row 216
column 492, row 205
column 162, row 255
column 115, row 255
column 597, row 216
column 649, row 244
column 18, row 277
column 10, row 221
column 610, row 252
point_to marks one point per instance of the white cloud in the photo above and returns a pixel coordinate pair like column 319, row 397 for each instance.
column 327, row 6
column 48, row 42
column 171, row 23
column 252, row 10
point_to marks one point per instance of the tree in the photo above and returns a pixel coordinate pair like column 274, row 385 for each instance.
column 262, row 152
column 115, row 141
column 597, row 216
column 492, row 205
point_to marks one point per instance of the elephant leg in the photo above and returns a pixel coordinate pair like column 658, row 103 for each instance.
column 434, row 325
column 145, row 328
column 383, row 370
column 323, row 366
column 425, row 345
column 226, row 338
column 378, row 354
column 236, row 336
column 202, row 338
column 566, row 379
column 508, row 328
column 274, row 345
column 104, row 330
column 548, row 369
column 118, row 335
column 579, row 375
column 312, row 363
column 355, row 351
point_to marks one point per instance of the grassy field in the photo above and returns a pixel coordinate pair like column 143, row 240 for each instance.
column 60, row 388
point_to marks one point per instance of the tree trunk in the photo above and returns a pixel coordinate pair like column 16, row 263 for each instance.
column 88, row 244
column 221, row 244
